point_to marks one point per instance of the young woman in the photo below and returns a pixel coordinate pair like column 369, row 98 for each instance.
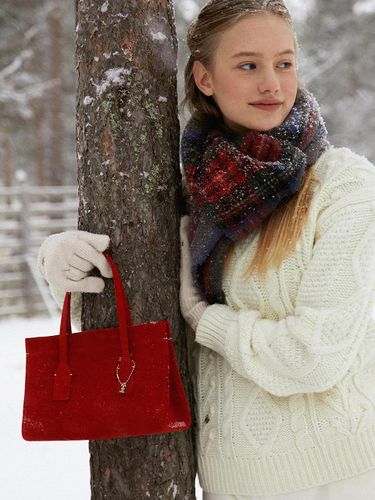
column 277, row 270
column 282, row 242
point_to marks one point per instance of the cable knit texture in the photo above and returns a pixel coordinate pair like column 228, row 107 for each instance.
column 286, row 368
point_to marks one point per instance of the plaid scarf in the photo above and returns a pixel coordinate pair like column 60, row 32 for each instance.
column 234, row 183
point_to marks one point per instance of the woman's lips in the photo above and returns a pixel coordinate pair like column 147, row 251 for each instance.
column 273, row 106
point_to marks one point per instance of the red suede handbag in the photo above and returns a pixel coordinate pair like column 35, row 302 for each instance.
column 103, row 384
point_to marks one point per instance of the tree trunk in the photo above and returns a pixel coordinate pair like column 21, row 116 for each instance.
column 39, row 143
column 6, row 161
column 130, row 188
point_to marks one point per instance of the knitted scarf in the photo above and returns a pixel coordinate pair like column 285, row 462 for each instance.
column 234, row 183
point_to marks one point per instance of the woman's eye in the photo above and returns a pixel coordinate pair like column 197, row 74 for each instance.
column 285, row 65
column 248, row 66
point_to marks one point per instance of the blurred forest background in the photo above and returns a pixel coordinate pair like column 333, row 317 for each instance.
column 38, row 79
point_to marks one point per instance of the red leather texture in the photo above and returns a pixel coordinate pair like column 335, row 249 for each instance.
column 75, row 384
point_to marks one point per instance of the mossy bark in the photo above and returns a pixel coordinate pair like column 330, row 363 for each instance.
column 130, row 188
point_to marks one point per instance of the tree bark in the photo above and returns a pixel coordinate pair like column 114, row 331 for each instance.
column 39, row 143
column 130, row 188
column 7, row 161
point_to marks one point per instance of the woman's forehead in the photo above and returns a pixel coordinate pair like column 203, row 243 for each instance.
column 257, row 34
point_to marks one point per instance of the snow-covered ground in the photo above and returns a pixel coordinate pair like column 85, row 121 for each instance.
column 28, row 470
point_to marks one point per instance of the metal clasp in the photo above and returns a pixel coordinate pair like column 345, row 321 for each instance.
column 123, row 384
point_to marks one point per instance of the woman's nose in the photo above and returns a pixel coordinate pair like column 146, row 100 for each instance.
column 269, row 82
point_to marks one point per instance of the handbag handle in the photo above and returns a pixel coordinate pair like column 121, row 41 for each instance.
column 63, row 373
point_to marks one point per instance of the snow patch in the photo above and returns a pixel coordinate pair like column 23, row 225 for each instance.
column 189, row 9
column 104, row 6
column 162, row 99
column 159, row 36
column 20, row 175
column 173, row 486
column 298, row 9
column 88, row 100
column 113, row 76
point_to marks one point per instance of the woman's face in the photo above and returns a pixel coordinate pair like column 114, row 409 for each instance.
column 253, row 76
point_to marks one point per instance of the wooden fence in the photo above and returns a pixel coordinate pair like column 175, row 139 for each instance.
column 28, row 214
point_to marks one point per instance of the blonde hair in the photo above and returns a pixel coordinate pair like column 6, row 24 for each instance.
column 281, row 231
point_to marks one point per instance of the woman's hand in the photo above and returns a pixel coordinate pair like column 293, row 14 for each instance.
column 191, row 303
column 65, row 259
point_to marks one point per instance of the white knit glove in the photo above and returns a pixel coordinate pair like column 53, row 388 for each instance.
column 191, row 303
column 65, row 259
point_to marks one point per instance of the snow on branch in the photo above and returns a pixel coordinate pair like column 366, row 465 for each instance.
column 19, row 87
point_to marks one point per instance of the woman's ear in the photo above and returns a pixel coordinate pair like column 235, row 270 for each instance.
column 202, row 78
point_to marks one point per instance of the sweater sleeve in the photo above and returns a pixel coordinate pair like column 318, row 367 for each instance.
column 313, row 349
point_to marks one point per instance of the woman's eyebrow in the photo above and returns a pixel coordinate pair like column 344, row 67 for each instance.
column 259, row 54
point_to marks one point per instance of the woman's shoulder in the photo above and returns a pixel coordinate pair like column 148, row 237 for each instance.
column 340, row 172
column 342, row 164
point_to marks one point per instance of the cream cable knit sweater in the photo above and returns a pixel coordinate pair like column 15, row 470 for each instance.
column 285, row 380
column 286, row 370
